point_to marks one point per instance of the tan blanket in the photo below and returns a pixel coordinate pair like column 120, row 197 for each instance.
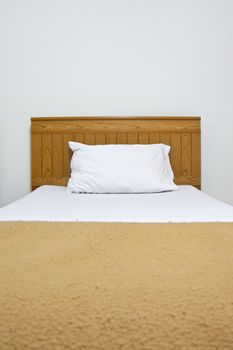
column 116, row 286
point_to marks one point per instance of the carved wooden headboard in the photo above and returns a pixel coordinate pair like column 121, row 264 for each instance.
column 51, row 154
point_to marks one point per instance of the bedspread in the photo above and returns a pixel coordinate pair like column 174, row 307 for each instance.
column 116, row 286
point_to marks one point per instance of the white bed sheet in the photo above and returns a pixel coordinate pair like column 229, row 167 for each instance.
column 53, row 203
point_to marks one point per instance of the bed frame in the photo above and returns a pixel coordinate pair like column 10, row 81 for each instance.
column 51, row 154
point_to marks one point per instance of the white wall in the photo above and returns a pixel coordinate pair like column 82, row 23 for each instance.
column 116, row 57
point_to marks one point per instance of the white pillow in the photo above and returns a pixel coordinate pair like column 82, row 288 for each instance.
column 120, row 169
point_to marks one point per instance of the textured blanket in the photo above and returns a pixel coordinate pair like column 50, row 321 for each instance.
column 116, row 286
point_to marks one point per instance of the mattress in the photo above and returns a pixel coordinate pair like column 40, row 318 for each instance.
column 53, row 203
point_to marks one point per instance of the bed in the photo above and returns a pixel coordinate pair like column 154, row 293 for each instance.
column 116, row 271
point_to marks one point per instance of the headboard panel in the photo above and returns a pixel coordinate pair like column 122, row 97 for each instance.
column 51, row 154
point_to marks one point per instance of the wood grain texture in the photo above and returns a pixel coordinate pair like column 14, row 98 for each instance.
column 175, row 154
column 111, row 138
column 132, row 138
column 154, row 137
column 47, row 159
column 36, row 156
column 196, row 155
column 67, row 154
column 122, row 138
column 51, row 154
column 186, row 152
column 89, row 139
column 164, row 137
column 111, row 125
column 79, row 138
column 58, row 150
column 100, row 139
column 143, row 138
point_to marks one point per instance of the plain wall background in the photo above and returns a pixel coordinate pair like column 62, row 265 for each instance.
column 116, row 57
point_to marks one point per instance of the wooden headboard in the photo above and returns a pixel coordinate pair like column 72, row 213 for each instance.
column 51, row 154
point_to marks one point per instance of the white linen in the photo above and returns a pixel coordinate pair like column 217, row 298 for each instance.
column 53, row 203
column 120, row 169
